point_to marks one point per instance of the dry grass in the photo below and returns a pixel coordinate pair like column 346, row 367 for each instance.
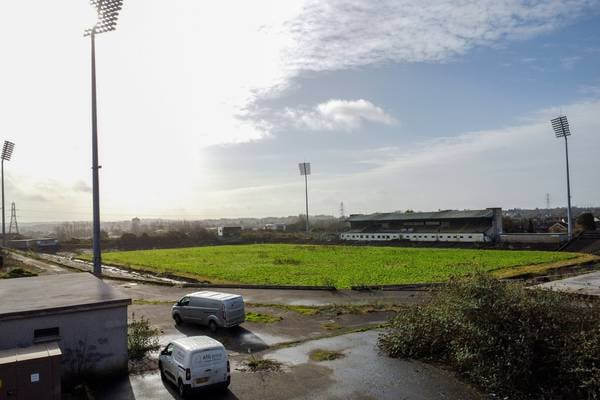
column 543, row 269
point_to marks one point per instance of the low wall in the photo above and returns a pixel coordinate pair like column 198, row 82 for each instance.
column 552, row 238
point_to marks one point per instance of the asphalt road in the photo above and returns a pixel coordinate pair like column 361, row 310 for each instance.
column 277, row 296
column 361, row 374
column 586, row 284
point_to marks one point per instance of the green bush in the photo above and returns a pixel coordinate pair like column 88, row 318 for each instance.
column 505, row 338
column 142, row 338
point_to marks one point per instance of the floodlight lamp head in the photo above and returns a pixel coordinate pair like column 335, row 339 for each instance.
column 7, row 150
column 304, row 168
column 560, row 125
column 108, row 13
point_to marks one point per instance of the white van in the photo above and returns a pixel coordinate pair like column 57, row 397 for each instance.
column 195, row 362
column 213, row 309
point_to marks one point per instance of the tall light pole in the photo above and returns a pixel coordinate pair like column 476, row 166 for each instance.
column 7, row 151
column 561, row 128
column 305, row 171
column 107, row 15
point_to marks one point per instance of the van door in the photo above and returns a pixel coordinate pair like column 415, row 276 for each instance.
column 209, row 367
column 209, row 307
column 183, row 307
column 169, row 366
column 235, row 313
column 194, row 309
column 178, row 366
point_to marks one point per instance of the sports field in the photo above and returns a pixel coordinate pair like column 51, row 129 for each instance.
column 340, row 266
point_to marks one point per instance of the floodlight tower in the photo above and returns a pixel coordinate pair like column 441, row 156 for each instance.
column 7, row 151
column 305, row 170
column 107, row 15
column 561, row 129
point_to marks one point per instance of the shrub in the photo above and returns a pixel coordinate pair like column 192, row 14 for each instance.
column 505, row 338
column 142, row 338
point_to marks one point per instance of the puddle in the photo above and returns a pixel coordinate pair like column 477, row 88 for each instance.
column 265, row 338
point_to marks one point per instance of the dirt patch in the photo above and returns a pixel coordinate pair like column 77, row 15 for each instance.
column 254, row 364
column 331, row 326
column 145, row 364
column 262, row 318
column 325, row 355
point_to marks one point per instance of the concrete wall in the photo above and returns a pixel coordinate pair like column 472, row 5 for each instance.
column 92, row 342
column 497, row 227
column 553, row 238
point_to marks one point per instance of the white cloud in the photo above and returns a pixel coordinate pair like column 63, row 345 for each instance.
column 348, row 33
column 338, row 115
column 511, row 166
column 168, row 93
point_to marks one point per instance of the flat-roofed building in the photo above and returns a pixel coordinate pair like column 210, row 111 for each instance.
column 229, row 231
column 440, row 226
column 86, row 318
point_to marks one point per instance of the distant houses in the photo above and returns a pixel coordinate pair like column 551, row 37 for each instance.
column 559, row 227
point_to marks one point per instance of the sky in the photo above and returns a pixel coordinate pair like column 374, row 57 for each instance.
column 206, row 108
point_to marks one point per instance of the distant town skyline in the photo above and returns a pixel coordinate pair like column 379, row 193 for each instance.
column 205, row 110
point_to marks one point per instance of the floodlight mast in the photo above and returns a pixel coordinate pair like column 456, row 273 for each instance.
column 560, row 125
column 107, row 15
column 7, row 151
column 305, row 170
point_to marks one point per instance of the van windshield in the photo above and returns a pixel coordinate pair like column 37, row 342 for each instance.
column 207, row 357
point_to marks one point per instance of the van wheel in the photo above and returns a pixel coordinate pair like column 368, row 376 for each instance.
column 212, row 326
column 177, row 319
column 181, row 389
column 226, row 384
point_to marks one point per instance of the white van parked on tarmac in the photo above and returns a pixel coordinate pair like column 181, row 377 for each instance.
column 213, row 309
column 195, row 362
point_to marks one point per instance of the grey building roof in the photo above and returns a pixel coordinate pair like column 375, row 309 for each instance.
column 422, row 216
column 50, row 294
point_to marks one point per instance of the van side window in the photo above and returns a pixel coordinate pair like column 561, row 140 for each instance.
column 179, row 356
column 184, row 301
column 169, row 349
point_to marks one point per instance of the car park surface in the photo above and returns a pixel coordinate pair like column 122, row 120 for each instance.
column 361, row 374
